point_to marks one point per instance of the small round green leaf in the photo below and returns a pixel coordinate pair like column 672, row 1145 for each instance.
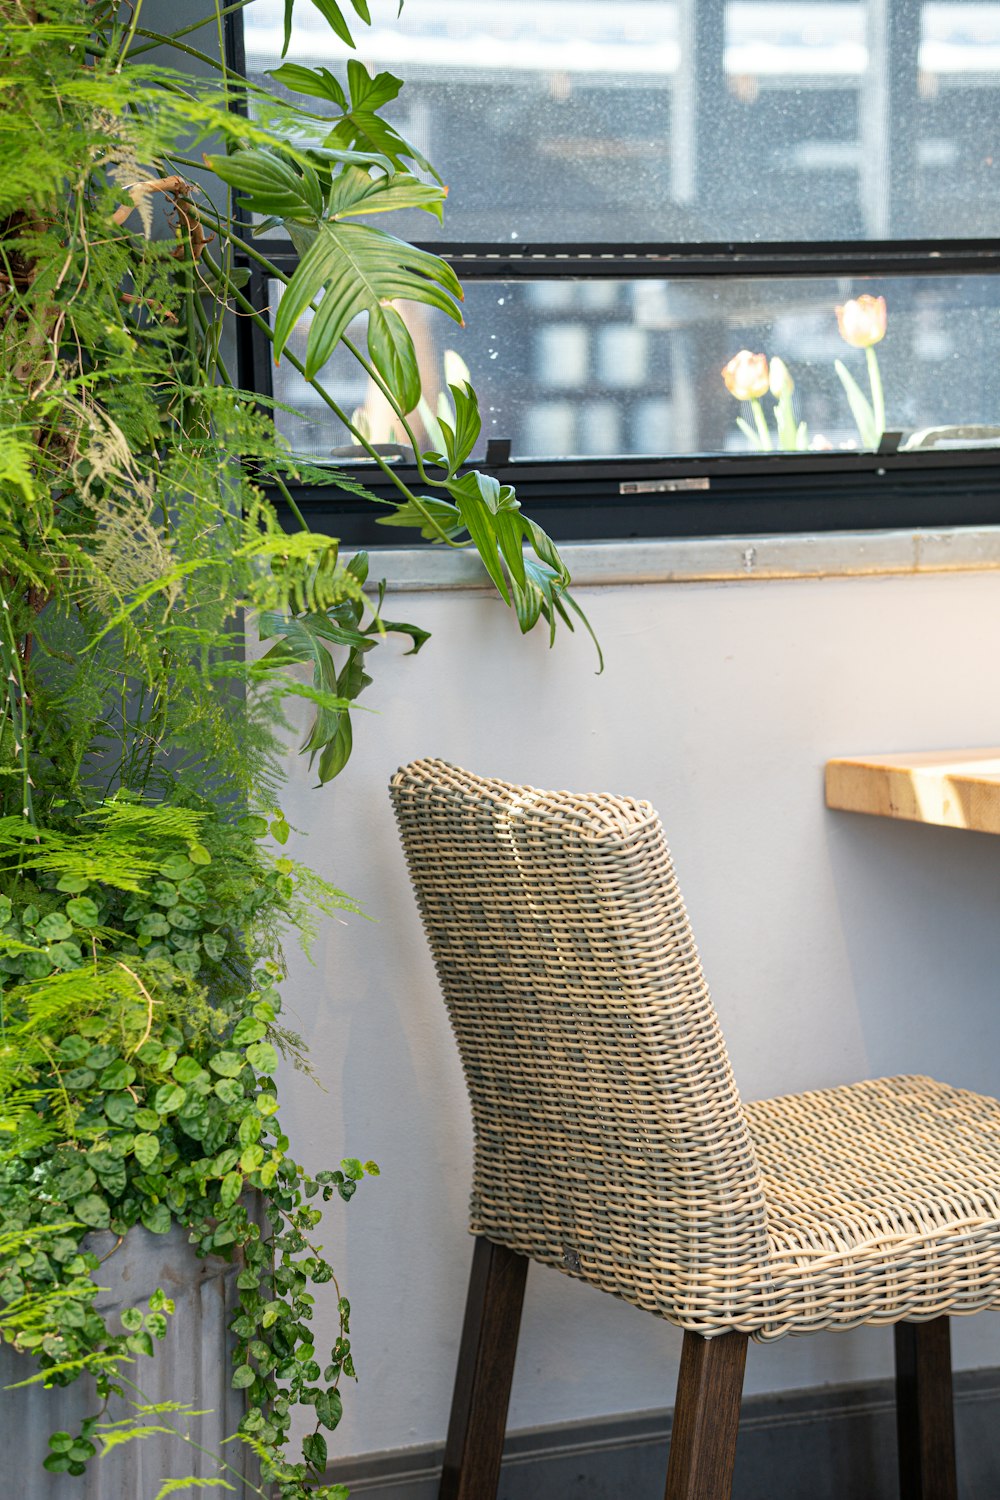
column 228, row 1064
column 214, row 945
column 146, row 1148
column 168, row 1098
column 228, row 1090
column 186, row 1069
column 184, row 917
column 231, row 1188
column 91, row 1210
column 248, row 1030
column 119, row 1108
column 117, row 1075
column 156, row 1217
column 262, row 1056
column 83, row 912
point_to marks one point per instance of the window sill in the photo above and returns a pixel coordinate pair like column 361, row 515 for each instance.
column 843, row 554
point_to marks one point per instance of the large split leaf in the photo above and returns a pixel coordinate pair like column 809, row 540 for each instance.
column 461, row 434
column 355, row 269
column 436, row 519
column 355, row 192
column 394, row 355
column 272, row 185
column 360, row 124
column 307, row 639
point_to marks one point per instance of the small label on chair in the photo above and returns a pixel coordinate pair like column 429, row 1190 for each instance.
column 571, row 1260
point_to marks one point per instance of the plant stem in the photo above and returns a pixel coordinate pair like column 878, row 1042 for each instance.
column 220, row 41
column 286, row 495
column 878, row 396
column 763, row 431
column 213, row 331
column 165, row 39
column 17, row 702
column 194, row 26
column 129, row 35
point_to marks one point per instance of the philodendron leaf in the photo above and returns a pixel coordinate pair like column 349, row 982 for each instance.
column 354, row 192
column 360, row 125
column 461, row 434
column 482, row 487
column 477, row 504
column 271, row 184
column 318, row 83
column 397, row 627
column 355, row 268
column 468, row 422
column 546, row 549
column 337, row 752
column 509, row 528
column 393, row 355
column 431, row 516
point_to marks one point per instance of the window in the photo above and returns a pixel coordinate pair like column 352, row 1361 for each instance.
column 641, row 190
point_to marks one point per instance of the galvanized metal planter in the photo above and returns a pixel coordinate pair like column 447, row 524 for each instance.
column 192, row 1364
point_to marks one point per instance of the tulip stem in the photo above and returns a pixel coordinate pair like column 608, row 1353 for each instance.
column 878, row 398
column 785, row 423
column 762, row 427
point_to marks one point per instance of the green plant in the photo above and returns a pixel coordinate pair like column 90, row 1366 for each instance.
column 137, row 1088
column 862, row 324
column 141, row 735
column 748, row 377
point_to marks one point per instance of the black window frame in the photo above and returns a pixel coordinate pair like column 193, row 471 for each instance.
column 712, row 495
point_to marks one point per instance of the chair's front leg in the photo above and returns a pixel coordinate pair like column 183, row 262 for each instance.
column 485, row 1370
column 706, row 1417
column 925, row 1420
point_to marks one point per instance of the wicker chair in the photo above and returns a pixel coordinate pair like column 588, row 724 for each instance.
column 612, row 1144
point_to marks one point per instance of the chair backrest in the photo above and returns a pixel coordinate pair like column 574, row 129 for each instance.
column 610, row 1139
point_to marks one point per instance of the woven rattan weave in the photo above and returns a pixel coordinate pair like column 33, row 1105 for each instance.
column 611, row 1140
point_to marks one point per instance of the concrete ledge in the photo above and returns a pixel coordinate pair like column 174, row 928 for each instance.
column 724, row 559
column 835, row 1443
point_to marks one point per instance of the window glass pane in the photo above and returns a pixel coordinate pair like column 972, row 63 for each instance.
column 637, row 371
column 685, row 120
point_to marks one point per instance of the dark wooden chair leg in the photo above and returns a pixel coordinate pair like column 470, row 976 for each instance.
column 706, row 1417
column 925, row 1420
column 485, row 1371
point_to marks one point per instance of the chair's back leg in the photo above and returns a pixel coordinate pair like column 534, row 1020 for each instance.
column 925, row 1420
column 706, row 1417
column 485, row 1370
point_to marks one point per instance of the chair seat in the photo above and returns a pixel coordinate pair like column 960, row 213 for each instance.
column 883, row 1203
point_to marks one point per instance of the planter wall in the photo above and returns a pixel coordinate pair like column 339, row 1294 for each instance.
column 191, row 1364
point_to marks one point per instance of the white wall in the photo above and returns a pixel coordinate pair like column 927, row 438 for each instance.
column 838, row 947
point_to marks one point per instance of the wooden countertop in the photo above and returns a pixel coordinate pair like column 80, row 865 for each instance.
column 954, row 788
